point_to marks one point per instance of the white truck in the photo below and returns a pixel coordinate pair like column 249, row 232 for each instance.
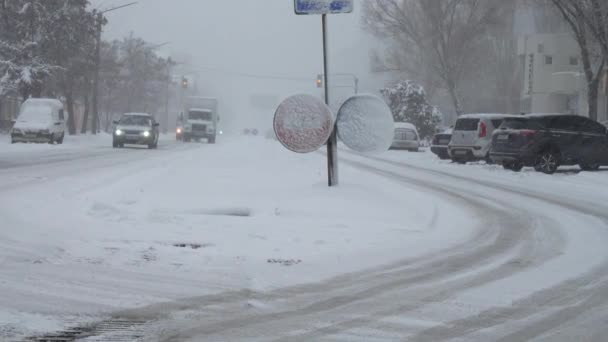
column 199, row 120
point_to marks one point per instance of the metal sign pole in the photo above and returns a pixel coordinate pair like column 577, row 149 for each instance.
column 332, row 143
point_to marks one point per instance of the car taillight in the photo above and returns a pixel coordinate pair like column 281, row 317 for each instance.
column 527, row 133
column 483, row 130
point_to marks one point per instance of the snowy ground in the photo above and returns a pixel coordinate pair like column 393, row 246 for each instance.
column 243, row 239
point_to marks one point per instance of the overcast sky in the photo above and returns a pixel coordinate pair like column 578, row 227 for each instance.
column 245, row 36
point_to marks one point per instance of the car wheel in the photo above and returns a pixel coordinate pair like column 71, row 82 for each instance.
column 444, row 156
column 211, row 140
column 590, row 166
column 60, row 140
column 517, row 166
column 488, row 160
column 114, row 144
column 507, row 165
column 547, row 162
column 459, row 161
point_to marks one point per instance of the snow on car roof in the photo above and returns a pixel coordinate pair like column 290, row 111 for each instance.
column 486, row 115
column 200, row 110
column 54, row 103
column 405, row 125
column 137, row 114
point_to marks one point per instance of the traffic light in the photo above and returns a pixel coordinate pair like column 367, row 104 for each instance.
column 184, row 83
column 319, row 81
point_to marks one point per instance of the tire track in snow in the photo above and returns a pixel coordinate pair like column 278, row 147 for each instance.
column 512, row 234
column 563, row 303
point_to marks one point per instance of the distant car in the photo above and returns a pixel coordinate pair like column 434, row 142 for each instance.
column 472, row 136
column 549, row 140
column 136, row 129
column 41, row 121
column 406, row 137
column 440, row 143
column 179, row 133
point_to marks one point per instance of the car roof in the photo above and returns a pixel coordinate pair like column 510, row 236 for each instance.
column 405, row 125
column 536, row 115
column 486, row 115
column 137, row 114
column 56, row 104
column 200, row 110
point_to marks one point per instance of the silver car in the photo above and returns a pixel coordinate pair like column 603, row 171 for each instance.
column 406, row 137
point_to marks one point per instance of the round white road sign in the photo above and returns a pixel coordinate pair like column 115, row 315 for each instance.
column 365, row 124
column 303, row 123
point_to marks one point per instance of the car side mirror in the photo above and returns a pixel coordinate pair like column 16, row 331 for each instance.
column 58, row 123
column 115, row 122
column 156, row 124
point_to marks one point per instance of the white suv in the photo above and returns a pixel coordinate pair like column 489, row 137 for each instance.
column 40, row 120
column 472, row 136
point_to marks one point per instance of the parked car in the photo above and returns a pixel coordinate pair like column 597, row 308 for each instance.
column 440, row 142
column 472, row 136
column 549, row 140
column 136, row 129
column 41, row 121
column 406, row 137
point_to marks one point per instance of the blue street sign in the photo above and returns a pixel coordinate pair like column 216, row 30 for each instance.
column 323, row 6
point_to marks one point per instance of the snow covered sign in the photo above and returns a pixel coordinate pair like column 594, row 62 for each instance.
column 365, row 124
column 303, row 123
column 323, row 6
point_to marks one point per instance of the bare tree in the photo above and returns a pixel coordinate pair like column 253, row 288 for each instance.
column 575, row 13
column 442, row 33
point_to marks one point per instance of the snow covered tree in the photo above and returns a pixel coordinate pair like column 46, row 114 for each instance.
column 23, row 67
column 408, row 103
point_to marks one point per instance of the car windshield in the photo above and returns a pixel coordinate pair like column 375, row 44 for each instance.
column 135, row 120
column 36, row 113
column 200, row 115
column 272, row 170
column 466, row 124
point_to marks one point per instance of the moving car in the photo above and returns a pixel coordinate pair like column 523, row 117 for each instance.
column 40, row 121
column 440, row 142
column 406, row 137
column 549, row 140
column 136, row 129
column 472, row 136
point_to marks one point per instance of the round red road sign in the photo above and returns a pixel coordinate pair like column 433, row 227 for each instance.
column 303, row 123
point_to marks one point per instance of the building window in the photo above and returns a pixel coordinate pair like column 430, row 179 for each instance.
column 548, row 60
column 573, row 60
column 541, row 48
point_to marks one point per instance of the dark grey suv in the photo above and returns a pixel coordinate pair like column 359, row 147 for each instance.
column 548, row 141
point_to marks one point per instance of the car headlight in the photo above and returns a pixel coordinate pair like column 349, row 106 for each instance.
column 146, row 134
column 179, row 130
column 119, row 132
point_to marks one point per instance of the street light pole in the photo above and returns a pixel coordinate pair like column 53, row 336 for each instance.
column 99, row 29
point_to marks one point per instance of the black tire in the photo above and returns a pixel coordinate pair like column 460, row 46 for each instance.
column 547, row 162
column 13, row 141
column 187, row 139
column 589, row 166
column 60, row 140
column 507, row 165
column 459, row 161
column 121, row 145
column 52, row 140
column 489, row 160
column 211, row 140
column 444, row 156
column 517, row 166
column 413, row 150
column 114, row 144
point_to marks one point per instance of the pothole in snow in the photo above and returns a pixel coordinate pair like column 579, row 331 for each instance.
column 285, row 262
column 193, row 245
column 238, row 212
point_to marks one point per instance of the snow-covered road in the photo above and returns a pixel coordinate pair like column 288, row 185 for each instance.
column 243, row 241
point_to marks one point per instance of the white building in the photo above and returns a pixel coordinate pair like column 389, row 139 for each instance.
column 553, row 76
